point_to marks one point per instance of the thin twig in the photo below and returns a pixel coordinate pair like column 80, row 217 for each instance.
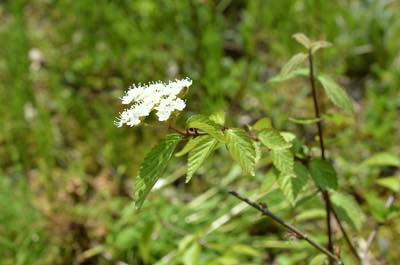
column 288, row 226
column 325, row 194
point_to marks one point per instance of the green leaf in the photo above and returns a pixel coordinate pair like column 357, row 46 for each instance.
column 283, row 160
column 304, row 120
column 153, row 166
column 323, row 174
column 321, row 44
column 336, row 94
column 377, row 208
column 347, row 209
column 302, row 39
column 218, row 117
column 192, row 255
column 292, row 184
column 192, row 143
column 320, row 259
column 273, row 139
column 199, row 154
column 392, row 183
column 384, row 160
column 302, row 72
column 262, row 124
column 206, row 125
column 293, row 64
column 242, row 149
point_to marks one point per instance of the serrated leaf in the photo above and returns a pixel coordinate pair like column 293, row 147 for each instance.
column 273, row 139
column 320, row 44
column 302, row 39
column 392, row 183
column 347, row 209
column 199, row 154
column 206, row 125
column 262, row 124
column 192, row 143
column 283, row 160
column 241, row 149
column 288, row 136
column 384, row 160
column 323, row 174
column 218, row 117
column 293, row 64
column 302, row 72
column 336, row 94
column 292, row 184
column 153, row 166
column 320, row 259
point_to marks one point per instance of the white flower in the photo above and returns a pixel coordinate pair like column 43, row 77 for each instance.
column 162, row 97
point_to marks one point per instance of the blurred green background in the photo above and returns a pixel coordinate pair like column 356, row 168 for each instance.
column 67, row 173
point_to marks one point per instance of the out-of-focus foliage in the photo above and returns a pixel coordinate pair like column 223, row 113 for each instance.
column 67, row 174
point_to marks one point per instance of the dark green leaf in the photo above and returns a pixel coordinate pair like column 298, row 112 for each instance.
column 323, row 174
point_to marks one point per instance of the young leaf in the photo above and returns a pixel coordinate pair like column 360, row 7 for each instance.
column 377, row 208
column 336, row 94
column 273, row 139
column 303, row 40
column 293, row 63
column 206, row 125
column 192, row 143
column 218, row 117
column 321, row 44
column 347, row 209
column 323, row 174
column 199, row 154
column 153, row 166
column 241, row 149
column 302, row 72
column 283, row 160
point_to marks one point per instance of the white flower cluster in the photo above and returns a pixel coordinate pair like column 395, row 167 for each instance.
column 162, row 97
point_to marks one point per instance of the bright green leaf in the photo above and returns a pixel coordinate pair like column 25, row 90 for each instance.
column 273, row 139
column 320, row 259
column 199, row 154
column 206, row 125
column 392, row 183
column 292, row 184
column 336, row 94
column 242, row 149
column 323, row 174
column 154, row 166
column 218, row 117
column 262, row 124
column 304, row 120
column 347, row 209
column 192, row 255
column 384, row 160
column 192, row 143
column 283, row 160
